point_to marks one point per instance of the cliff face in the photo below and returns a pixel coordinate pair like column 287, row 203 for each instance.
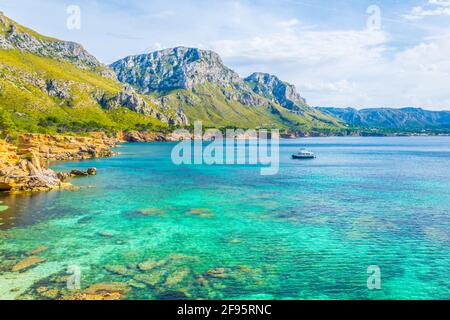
column 277, row 91
column 177, row 68
column 61, row 148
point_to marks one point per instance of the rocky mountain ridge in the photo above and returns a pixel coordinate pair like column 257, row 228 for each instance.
column 198, row 83
column 392, row 119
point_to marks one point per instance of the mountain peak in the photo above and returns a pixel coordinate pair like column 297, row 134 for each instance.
column 174, row 68
column 15, row 36
column 276, row 90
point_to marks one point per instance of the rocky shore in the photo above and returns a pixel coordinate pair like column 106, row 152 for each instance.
column 26, row 167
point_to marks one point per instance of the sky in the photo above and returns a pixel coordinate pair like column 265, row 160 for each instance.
column 341, row 53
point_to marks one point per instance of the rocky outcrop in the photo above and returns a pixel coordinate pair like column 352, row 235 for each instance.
column 25, row 168
column 58, row 89
column 15, row 36
column 277, row 91
column 130, row 99
column 62, row 148
column 25, row 173
column 135, row 136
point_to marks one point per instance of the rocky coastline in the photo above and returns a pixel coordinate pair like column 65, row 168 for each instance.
column 25, row 167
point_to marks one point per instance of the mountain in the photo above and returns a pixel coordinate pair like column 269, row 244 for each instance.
column 16, row 36
column 51, row 86
column 392, row 119
column 277, row 91
column 198, row 83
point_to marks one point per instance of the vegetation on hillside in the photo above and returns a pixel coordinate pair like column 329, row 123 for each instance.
column 25, row 106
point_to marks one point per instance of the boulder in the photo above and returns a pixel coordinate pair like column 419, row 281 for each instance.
column 78, row 173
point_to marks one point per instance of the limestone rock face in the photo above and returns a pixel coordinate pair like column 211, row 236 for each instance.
column 177, row 68
column 130, row 99
column 277, row 91
column 18, row 37
column 62, row 148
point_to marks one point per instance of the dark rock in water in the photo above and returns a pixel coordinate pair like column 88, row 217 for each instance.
column 92, row 171
column 63, row 176
column 78, row 173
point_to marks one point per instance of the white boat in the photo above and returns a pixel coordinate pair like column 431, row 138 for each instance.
column 304, row 154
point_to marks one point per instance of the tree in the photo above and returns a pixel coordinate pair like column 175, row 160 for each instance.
column 7, row 125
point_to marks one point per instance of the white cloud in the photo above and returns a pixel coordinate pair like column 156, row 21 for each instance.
column 432, row 9
column 349, row 67
column 290, row 23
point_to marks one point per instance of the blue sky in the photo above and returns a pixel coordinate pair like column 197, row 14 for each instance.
column 323, row 47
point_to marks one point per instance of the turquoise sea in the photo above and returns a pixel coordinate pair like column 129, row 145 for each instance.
column 226, row 232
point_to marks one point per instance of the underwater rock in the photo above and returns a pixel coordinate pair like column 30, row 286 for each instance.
column 201, row 212
column 37, row 250
column 27, row 263
column 217, row 273
column 137, row 285
column 101, row 291
column 202, row 281
column 150, row 264
column 48, row 293
column 106, row 234
column 118, row 269
column 176, row 278
column 103, row 287
column 151, row 279
column 150, row 212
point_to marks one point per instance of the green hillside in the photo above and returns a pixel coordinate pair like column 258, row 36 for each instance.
column 208, row 104
column 23, row 99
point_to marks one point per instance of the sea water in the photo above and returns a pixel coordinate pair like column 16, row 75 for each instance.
column 227, row 232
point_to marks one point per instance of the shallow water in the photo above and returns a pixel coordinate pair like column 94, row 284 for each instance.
column 223, row 232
